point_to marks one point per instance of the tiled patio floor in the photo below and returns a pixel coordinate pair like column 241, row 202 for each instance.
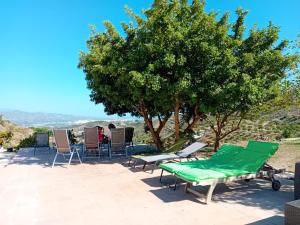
column 111, row 193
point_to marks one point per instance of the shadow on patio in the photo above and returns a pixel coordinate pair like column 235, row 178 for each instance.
column 269, row 221
column 256, row 193
column 42, row 157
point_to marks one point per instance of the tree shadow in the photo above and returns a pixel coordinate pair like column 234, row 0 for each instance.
column 256, row 193
column 45, row 159
column 269, row 221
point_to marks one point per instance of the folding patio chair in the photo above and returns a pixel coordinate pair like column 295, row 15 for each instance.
column 41, row 141
column 92, row 147
column 63, row 146
column 117, row 141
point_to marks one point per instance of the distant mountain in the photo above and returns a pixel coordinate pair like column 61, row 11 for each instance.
column 39, row 119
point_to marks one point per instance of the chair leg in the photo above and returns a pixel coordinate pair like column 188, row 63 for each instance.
column 153, row 167
column 72, row 153
column 54, row 159
column 109, row 152
column 78, row 156
column 83, row 152
column 210, row 192
column 134, row 163
column 175, row 184
column 160, row 179
column 99, row 152
column 144, row 166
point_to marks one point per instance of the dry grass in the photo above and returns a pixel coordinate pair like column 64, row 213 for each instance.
column 286, row 157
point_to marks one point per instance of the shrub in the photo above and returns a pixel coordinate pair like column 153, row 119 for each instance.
column 5, row 137
column 27, row 142
column 42, row 129
column 289, row 131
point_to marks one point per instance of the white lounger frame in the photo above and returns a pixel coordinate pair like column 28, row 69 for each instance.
column 261, row 174
column 213, row 183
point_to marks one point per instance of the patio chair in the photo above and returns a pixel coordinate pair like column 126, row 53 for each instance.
column 117, row 141
column 41, row 141
column 63, row 147
column 246, row 164
column 92, row 147
column 187, row 152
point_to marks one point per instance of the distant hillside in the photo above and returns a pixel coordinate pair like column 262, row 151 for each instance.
column 38, row 119
column 268, row 126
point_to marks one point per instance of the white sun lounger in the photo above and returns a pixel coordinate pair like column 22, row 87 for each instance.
column 187, row 152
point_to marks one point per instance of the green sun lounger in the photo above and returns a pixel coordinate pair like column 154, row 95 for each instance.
column 242, row 164
column 225, row 153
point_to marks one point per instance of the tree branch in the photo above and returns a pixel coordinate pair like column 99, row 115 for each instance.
column 234, row 128
column 163, row 123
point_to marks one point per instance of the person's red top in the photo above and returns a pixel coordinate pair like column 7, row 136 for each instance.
column 100, row 135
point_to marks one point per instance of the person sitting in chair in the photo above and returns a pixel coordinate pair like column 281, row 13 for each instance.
column 110, row 126
column 100, row 134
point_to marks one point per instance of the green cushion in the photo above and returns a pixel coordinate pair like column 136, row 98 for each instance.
column 267, row 148
column 224, row 155
column 222, row 165
column 214, row 172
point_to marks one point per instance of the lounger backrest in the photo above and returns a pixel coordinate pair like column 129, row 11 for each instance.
column 42, row 139
column 263, row 147
column 62, row 141
column 254, row 156
column 226, row 154
column 222, row 158
column 91, row 139
column 117, row 138
column 191, row 149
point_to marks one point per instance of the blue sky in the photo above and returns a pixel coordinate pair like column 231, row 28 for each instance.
column 40, row 43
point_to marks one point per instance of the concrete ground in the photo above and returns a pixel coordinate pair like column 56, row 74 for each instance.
column 110, row 192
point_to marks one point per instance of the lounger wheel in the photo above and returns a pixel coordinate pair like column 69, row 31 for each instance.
column 276, row 185
column 247, row 180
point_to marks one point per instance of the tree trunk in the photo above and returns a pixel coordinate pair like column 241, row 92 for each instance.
column 217, row 143
column 221, row 123
column 196, row 117
column 176, row 118
column 154, row 132
column 192, row 124
column 157, row 140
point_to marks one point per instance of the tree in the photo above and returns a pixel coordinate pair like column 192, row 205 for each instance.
column 180, row 59
column 240, row 73
column 121, row 77
column 145, row 72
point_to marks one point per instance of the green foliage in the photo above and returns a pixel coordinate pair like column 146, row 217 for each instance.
column 290, row 131
column 42, row 130
column 5, row 137
column 178, row 53
column 27, row 142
